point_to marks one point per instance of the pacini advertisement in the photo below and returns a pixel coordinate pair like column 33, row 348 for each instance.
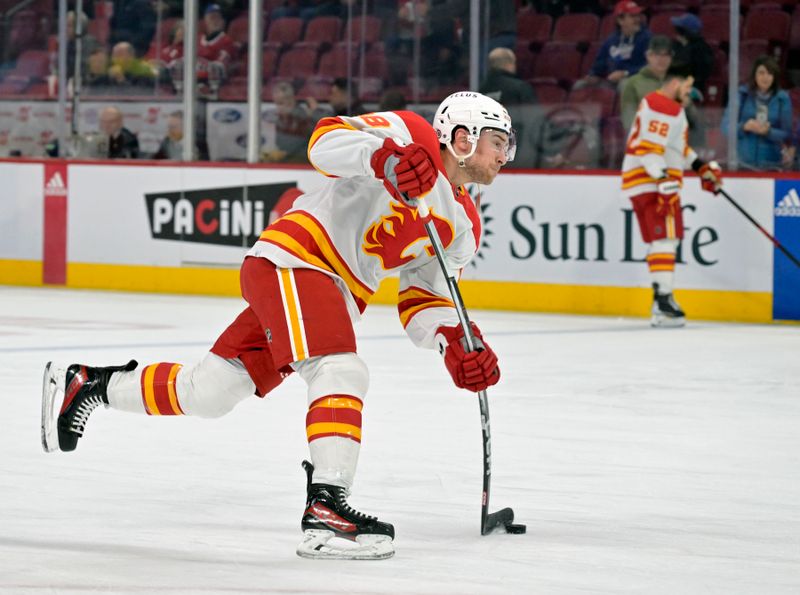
column 233, row 216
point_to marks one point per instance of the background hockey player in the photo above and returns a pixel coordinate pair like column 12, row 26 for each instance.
column 657, row 152
column 308, row 277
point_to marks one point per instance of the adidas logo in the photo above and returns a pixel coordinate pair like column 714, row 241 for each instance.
column 55, row 185
column 789, row 205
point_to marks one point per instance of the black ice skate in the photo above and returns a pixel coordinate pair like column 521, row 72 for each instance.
column 666, row 311
column 80, row 390
column 333, row 530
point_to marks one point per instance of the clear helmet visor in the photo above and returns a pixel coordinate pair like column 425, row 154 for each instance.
column 500, row 140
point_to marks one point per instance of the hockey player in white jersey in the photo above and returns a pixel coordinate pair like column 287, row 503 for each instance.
column 656, row 154
column 307, row 279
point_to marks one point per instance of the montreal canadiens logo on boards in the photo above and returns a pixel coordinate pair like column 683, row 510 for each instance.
column 232, row 216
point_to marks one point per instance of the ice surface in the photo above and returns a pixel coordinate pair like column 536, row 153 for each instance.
column 642, row 461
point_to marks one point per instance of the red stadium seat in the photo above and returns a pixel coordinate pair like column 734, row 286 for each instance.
column 661, row 23
column 235, row 89
column 26, row 32
column 269, row 60
column 283, row 32
column 318, row 87
column 603, row 97
column 716, row 24
column 589, row 57
column 794, row 34
column 749, row 50
column 297, row 63
column 375, row 64
column 668, row 7
column 607, row 26
column 614, row 136
column 558, row 61
column 549, row 93
column 321, row 33
column 526, row 60
column 334, row 62
column 772, row 25
column 534, row 28
column 367, row 27
column 577, row 28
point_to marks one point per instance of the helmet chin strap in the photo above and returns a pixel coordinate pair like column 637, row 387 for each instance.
column 461, row 158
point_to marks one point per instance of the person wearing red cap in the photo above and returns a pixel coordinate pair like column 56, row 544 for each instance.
column 623, row 53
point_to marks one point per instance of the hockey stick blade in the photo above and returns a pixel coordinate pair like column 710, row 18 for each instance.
column 502, row 518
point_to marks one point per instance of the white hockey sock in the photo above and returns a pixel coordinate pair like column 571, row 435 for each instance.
column 211, row 388
column 337, row 385
column 661, row 263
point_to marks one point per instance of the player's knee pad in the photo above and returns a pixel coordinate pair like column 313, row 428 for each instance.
column 213, row 387
column 335, row 374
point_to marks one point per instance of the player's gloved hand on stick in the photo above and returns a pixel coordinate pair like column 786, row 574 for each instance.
column 405, row 170
column 668, row 197
column 474, row 371
column 710, row 176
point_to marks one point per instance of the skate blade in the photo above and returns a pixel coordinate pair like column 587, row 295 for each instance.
column 659, row 321
column 322, row 545
column 52, row 386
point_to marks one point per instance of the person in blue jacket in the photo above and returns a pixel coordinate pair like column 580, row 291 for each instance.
column 623, row 53
column 764, row 119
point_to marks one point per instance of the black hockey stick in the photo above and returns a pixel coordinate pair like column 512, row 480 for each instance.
column 778, row 245
column 504, row 517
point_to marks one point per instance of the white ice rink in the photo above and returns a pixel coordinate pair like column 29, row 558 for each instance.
column 642, row 461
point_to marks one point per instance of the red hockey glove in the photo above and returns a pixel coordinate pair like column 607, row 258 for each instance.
column 405, row 170
column 668, row 197
column 710, row 176
column 474, row 371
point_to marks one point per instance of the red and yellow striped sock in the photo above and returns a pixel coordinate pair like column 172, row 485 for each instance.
column 661, row 262
column 334, row 415
column 158, row 389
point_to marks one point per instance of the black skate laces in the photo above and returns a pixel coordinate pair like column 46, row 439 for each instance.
column 82, row 413
column 341, row 498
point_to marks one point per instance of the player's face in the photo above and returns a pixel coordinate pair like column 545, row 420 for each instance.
column 490, row 155
column 684, row 89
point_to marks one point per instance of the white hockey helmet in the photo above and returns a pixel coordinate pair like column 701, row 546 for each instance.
column 475, row 113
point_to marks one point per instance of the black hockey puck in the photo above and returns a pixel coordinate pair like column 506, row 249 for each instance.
column 516, row 528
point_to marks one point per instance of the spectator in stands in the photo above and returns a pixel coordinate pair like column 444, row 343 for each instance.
column 170, row 60
column 126, row 69
column 392, row 100
column 690, row 48
column 215, row 50
column 623, row 53
column 96, row 75
column 122, row 143
column 171, row 146
column 647, row 80
column 501, row 82
column 88, row 44
column 764, row 119
column 294, row 123
column 502, row 25
column 133, row 21
column 342, row 102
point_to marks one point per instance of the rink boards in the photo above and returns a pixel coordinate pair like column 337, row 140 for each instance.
column 552, row 242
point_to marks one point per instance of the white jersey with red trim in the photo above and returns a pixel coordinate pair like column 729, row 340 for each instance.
column 354, row 231
column 657, row 145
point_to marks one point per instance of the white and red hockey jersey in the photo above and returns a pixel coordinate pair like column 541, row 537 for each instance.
column 354, row 231
column 657, row 145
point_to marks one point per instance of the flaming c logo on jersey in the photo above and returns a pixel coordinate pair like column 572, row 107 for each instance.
column 391, row 239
